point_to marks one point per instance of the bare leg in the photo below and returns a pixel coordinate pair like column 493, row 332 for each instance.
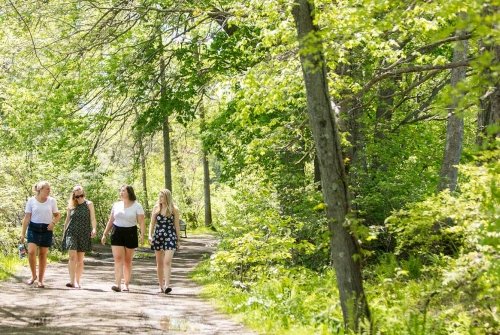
column 32, row 260
column 118, row 256
column 127, row 266
column 72, row 266
column 167, row 264
column 79, row 267
column 42, row 263
column 159, row 267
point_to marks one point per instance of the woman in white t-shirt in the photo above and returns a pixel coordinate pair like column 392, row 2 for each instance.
column 125, row 215
column 40, row 216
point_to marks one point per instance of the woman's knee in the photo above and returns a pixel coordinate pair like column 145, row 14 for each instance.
column 42, row 252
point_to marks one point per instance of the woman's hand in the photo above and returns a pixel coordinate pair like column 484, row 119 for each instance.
column 93, row 233
column 51, row 226
column 103, row 239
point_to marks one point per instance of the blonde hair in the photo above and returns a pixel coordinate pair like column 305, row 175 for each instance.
column 72, row 202
column 38, row 186
column 170, row 203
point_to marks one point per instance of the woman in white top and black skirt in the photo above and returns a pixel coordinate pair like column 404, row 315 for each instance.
column 122, row 224
column 40, row 216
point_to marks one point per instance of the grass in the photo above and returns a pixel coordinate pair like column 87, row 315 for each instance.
column 9, row 265
column 201, row 230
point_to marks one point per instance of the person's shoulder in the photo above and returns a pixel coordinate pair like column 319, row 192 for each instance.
column 176, row 209
column 30, row 201
column 89, row 203
column 137, row 204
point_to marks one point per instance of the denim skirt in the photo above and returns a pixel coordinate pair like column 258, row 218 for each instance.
column 38, row 234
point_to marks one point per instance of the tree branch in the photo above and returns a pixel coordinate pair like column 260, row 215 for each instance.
column 32, row 41
column 409, row 69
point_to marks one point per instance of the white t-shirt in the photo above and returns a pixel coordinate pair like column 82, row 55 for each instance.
column 126, row 217
column 41, row 212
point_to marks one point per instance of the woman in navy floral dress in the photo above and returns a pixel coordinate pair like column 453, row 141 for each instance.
column 164, row 237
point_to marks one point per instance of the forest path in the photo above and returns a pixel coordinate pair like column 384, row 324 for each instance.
column 96, row 309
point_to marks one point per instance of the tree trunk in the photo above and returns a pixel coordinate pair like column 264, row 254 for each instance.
column 488, row 120
column 317, row 173
column 206, row 178
column 166, row 127
column 166, row 155
column 206, row 168
column 142, row 157
column 455, row 127
column 344, row 249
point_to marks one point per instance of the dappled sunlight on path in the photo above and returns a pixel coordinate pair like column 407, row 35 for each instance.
column 95, row 309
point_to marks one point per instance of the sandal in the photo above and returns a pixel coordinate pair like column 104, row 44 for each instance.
column 40, row 285
column 116, row 288
column 31, row 281
column 168, row 290
column 70, row 285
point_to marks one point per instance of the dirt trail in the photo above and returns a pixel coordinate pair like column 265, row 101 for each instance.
column 95, row 309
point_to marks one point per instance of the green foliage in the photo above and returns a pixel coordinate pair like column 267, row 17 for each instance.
column 258, row 237
column 282, row 301
column 446, row 223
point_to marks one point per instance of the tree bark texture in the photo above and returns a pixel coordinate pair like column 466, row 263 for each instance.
column 166, row 129
column 448, row 177
column 344, row 249
column 166, row 155
column 143, row 172
column 489, row 115
column 206, row 178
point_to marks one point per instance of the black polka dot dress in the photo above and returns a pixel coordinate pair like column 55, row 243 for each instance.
column 79, row 228
column 165, row 237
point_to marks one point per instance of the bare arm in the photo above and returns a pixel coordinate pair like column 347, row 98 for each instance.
column 152, row 224
column 142, row 225
column 68, row 216
column 93, row 221
column 55, row 218
column 26, row 220
column 107, row 229
column 177, row 226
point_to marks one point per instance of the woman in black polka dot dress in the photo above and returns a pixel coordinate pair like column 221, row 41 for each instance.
column 163, row 236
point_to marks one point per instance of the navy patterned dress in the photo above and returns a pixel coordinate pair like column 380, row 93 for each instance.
column 165, row 237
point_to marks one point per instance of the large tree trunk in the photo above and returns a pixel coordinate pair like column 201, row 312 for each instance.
column 488, row 120
column 344, row 249
column 206, row 177
column 166, row 155
column 166, row 129
column 206, row 167
column 142, row 157
column 455, row 128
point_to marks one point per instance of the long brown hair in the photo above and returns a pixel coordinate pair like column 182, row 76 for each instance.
column 72, row 202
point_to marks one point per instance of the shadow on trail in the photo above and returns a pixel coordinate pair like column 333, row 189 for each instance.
column 95, row 309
